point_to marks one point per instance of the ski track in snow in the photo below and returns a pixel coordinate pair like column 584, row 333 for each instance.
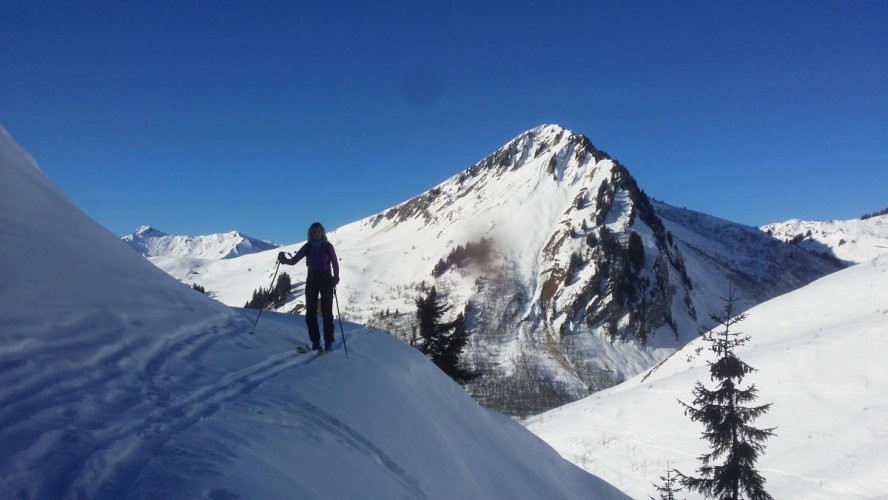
column 40, row 394
column 109, row 464
column 187, row 349
column 316, row 416
column 118, row 453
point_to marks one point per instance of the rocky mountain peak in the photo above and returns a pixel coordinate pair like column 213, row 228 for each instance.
column 569, row 277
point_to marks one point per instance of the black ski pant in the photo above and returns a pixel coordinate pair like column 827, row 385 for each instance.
column 319, row 283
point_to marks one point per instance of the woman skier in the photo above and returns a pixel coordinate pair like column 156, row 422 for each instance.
column 319, row 258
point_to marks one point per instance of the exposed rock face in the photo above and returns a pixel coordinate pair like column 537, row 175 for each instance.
column 586, row 280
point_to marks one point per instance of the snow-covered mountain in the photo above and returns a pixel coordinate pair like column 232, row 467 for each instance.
column 820, row 354
column 855, row 241
column 152, row 243
column 570, row 277
column 116, row 381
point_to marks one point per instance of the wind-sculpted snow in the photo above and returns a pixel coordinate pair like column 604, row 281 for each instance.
column 116, row 381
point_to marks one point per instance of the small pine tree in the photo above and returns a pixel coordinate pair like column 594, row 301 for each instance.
column 281, row 291
column 667, row 488
column 258, row 300
column 443, row 343
column 275, row 297
column 635, row 251
column 452, row 348
column 576, row 261
column 429, row 311
column 727, row 419
column 199, row 288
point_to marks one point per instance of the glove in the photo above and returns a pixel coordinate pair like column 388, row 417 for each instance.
column 282, row 258
column 335, row 280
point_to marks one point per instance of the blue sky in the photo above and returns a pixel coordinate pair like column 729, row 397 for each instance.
column 200, row 117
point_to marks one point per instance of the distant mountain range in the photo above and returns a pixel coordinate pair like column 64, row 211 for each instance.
column 152, row 243
column 853, row 241
column 571, row 278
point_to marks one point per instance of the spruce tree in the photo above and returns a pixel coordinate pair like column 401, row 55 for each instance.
column 443, row 343
column 727, row 418
column 454, row 343
column 275, row 297
column 258, row 300
column 667, row 488
column 281, row 291
column 429, row 311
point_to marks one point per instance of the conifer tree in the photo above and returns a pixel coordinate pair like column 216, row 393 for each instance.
column 429, row 311
column 281, row 291
column 258, row 300
column 275, row 297
column 455, row 342
column 727, row 418
column 667, row 488
column 443, row 343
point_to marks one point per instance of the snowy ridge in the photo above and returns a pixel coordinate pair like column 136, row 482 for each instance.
column 856, row 240
column 123, row 383
column 152, row 243
column 819, row 352
column 585, row 281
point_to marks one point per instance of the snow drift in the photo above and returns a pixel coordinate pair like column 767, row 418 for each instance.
column 116, row 381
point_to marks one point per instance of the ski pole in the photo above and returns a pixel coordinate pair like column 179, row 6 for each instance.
column 338, row 315
column 265, row 299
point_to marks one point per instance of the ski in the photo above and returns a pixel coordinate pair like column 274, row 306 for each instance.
column 302, row 350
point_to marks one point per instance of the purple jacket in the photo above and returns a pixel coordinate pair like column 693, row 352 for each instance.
column 318, row 257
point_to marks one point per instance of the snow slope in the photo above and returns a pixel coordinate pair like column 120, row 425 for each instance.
column 116, row 381
column 820, row 353
column 153, row 243
column 563, row 305
column 856, row 240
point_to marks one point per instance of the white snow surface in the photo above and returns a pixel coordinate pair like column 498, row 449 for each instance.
column 820, row 354
column 533, row 198
column 117, row 381
column 150, row 242
column 856, row 240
